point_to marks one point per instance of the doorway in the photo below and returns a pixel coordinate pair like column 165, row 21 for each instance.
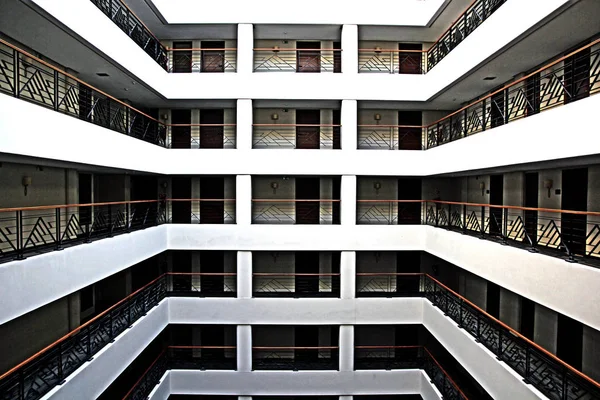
column 569, row 341
column 182, row 59
column 496, row 198
column 492, row 302
column 531, row 200
column 211, row 137
column 213, row 335
column 307, row 262
column 85, row 197
column 212, row 262
column 409, row 62
column 409, row 138
column 308, row 56
column 181, row 188
column 337, row 57
column 182, row 262
column 306, row 336
column 212, row 211
column 532, row 95
column 498, row 109
column 213, row 60
column 527, row 318
column 337, row 122
column 181, row 136
column 408, row 262
column 577, row 76
column 308, row 137
column 308, row 212
column 574, row 198
column 409, row 189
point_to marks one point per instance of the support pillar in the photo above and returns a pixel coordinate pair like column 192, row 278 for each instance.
column 346, row 348
column 243, row 199
column 348, row 200
column 350, row 49
column 244, row 274
column 244, row 124
column 244, row 348
column 349, row 120
column 245, row 49
column 348, row 275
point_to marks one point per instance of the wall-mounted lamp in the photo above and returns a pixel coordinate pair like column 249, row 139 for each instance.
column 377, row 186
column 275, row 49
column 274, row 117
column 377, row 50
column 377, row 118
column 164, row 117
column 482, row 187
column 26, row 181
column 164, row 185
column 274, row 186
column 274, row 254
column 548, row 185
column 377, row 256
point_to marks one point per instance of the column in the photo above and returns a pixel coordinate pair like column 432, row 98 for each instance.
column 244, row 274
column 244, row 348
column 244, row 124
column 349, row 120
column 348, row 200
column 245, row 46
column 350, row 49
column 347, row 348
column 243, row 199
column 348, row 275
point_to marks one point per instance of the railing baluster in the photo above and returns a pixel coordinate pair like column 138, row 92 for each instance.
column 58, row 228
column 19, row 238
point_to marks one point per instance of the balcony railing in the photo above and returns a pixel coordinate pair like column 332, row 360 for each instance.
column 201, row 136
column 394, row 61
column 290, row 211
column 568, row 79
column 388, row 212
column 202, row 284
column 128, row 22
column 295, row 358
column 407, row 357
column 266, row 284
column 205, row 60
column 296, row 136
column 277, row 59
column 200, row 211
column 387, row 284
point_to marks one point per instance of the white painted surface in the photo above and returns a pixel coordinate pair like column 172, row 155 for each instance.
column 537, row 137
column 512, row 19
column 38, row 280
column 95, row 376
column 162, row 391
column 404, row 12
column 499, row 380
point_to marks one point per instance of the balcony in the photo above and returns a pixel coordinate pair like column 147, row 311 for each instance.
column 295, row 358
column 211, row 57
column 206, row 128
column 388, row 284
column 272, row 284
column 202, row 284
column 297, row 56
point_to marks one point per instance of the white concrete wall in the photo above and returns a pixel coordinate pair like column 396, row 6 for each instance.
column 537, row 136
column 102, row 33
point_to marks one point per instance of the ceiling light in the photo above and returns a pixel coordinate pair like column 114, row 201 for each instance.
column 102, row 74
column 489, row 78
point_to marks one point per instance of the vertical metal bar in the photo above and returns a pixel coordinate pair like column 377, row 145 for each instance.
column 505, row 225
column 465, row 118
column 60, row 372
column 19, row 238
column 483, row 115
column 527, row 362
column 55, row 90
column 464, row 218
column 127, row 217
column 482, row 228
column 16, row 76
column 58, row 235
column 392, row 62
column 499, row 343
column 110, row 229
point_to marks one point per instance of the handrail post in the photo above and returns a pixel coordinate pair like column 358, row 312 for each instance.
column 482, row 228
column 16, row 75
column 464, row 218
column 19, row 238
column 483, row 115
column 110, row 227
column 505, row 225
column 527, row 363
column 60, row 372
column 499, row 355
column 57, row 224
column 55, row 103
column 127, row 217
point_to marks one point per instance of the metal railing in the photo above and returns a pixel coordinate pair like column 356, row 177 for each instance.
column 201, row 136
column 387, row 284
column 291, row 211
column 295, row 358
column 388, row 212
column 202, row 284
column 407, row 357
column 207, row 60
column 200, row 211
column 266, row 284
column 395, row 61
column 565, row 80
column 128, row 22
column 296, row 136
column 297, row 60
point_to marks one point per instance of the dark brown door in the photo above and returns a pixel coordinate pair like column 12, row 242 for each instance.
column 212, row 262
column 182, row 262
column 409, row 138
column 531, row 200
column 212, row 211
column 181, row 188
column 213, row 335
column 181, row 136
column 143, row 187
column 337, row 120
column 492, row 302
column 85, row 197
column 496, row 198
column 308, row 212
column 306, row 336
column 335, row 194
column 574, row 198
column 308, row 137
column 408, row 262
column 497, row 109
column 307, row 262
column 213, row 60
column 527, row 318
column 410, row 61
column 182, row 59
column 337, row 57
column 409, row 189
column 577, row 76
column 211, row 137
column 569, row 341
column 85, row 102
column 532, row 95
column 308, row 57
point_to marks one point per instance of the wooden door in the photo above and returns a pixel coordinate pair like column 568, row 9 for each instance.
column 577, row 76
column 213, row 335
column 182, row 59
column 213, row 60
column 213, row 262
column 307, row 262
column 337, row 57
column 213, row 211
column 532, row 95
column 308, row 56
column 497, row 109
column 182, row 262
column 306, row 336
column 496, row 198
column 410, row 138
column 574, row 198
column 85, row 197
column 531, row 200
column 492, row 302
column 409, row 189
column 308, row 137
column 211, row 137
column 408, row 262
column 181, row 136
column 337, row 120
column 308, row 212
column 336, row 192
column 527, row 318
column 181, row 188
column 569, row 341
column 409, row 62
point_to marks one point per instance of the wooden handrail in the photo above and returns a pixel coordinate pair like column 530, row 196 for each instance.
column 390, row 347
column 140, row 21
column 293, row 125
column 202, row 273
column 202, row 347
column 295, row 348
column 293, row 200
column 390, row 51
column 178, row 125
column 390, row 126
column 144, row 374
column 290, row 49
column 515, row 333
column 389, row 274
column 453, row 22
column 203, row 49
column 62, row 206
column 79, row 328
column 176, row 200
column 289, row 274
column 445, row 373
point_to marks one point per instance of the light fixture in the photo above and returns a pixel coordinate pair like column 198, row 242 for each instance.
column 548, row 185
column 482, row 187
column 275, row 255
column 275, row 49
column 377, row 118
column 164, row 185
column 102, row 74
column 274, row 186
column 26, row 181
column 377, row 186
column 377, row 256
column 164, row 117
column 377, row 50
column 274, row 116
column 489, row 78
